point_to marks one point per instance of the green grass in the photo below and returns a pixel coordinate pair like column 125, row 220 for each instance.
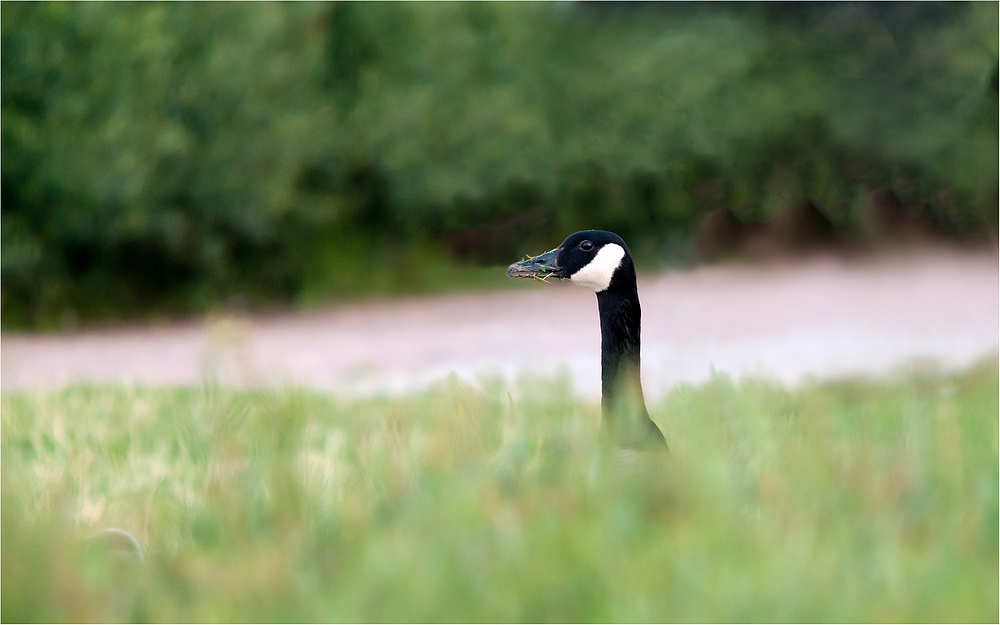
column 847, row 501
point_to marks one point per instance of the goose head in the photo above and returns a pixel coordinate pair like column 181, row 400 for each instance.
column 600, row 261
column 594, row 259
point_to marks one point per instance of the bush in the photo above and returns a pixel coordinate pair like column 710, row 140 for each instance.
column 176, row 157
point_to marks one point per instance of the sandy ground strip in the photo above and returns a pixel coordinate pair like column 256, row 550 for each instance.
column 790, row 320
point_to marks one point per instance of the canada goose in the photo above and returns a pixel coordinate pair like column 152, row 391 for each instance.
column 600, row 260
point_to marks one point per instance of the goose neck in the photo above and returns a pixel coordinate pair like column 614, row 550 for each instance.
column 620, row 329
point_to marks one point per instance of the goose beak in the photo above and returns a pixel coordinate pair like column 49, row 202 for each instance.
column 539, row 267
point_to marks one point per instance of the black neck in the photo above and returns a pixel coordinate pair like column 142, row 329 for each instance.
column 621, row 388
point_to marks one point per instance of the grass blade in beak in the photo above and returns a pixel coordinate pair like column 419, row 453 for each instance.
column 540, row 267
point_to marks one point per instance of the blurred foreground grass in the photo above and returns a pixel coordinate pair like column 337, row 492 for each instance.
column 847, row 501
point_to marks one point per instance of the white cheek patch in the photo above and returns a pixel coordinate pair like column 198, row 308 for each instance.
column 597, row 274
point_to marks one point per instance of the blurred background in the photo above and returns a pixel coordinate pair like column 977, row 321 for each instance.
column 209, row 211
column 163, row 159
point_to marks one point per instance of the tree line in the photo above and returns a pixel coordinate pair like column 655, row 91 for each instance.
column 162, row 158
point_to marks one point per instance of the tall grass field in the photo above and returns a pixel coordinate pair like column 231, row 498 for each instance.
column 837, row 501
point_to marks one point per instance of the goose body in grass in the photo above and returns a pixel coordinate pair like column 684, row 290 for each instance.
column 600, row 261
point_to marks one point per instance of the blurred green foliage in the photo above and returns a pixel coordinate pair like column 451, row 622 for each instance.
column 175, row 157
column 840, row 502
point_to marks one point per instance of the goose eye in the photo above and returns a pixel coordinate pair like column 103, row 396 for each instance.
column 586, row 245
